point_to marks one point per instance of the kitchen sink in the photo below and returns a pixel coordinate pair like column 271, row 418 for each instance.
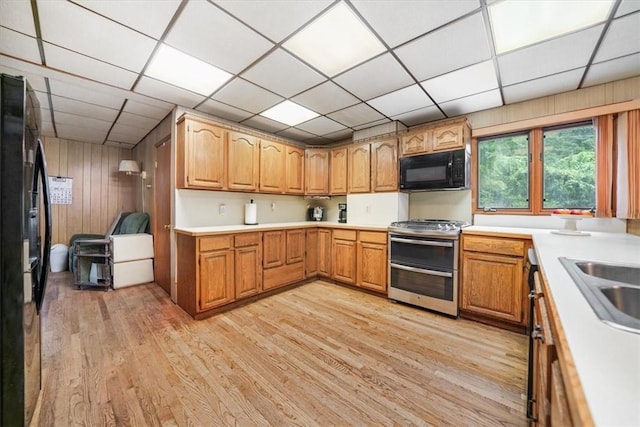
column 612, row 290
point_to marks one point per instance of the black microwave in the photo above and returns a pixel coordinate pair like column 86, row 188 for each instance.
column 448, row 170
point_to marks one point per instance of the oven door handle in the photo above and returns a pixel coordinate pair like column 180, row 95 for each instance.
column 422, row 242
column 421, row 270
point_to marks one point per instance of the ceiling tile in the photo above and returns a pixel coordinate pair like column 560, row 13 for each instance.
column 19, row 45
column 320, row 126
column 85, row 32
column 356, row 115
column 339, row 135
column 46, row 128
column 422, row 115
column 550, row 57
column 136, row 121
column 133, row 130
column 224, row 111
column 296, row 134
column 43, row 98
column 211, row 35
column 628, row 6
column 283, row 74
column 401, row 101
column 616, row 69
column 167, row 92
column 68, row 119
column 481, row 101
column 36, row 81
column 265, row 124
column 82, row 109
column 454, row 46
column 275, row 19
column 622, row 38
column 80, row 65
column 371, row 124
column 147, row 16
column 90, row 92
column 325, row 98
column 17, row 16
column 83, row 134
column 388, row 73
column 411, row 18
column 117, row 135
column 549, row 85
column 247, row 96
column 464, row 82
column 152, row 109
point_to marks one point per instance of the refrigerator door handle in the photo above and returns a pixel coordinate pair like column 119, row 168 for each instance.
column 41, row 173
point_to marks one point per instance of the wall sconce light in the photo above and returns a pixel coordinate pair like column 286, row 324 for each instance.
column 130, row 167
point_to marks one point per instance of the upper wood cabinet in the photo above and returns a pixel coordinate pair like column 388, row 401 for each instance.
column 243, row 162
column 338, row 171
column 272, row 166
column 384, row 165
column 294, row 181
column 317, row 168
column 359, row 168
column 438, row 137
column 201, row 155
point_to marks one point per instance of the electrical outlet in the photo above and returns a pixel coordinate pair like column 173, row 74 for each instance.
column 273, row 206
column 222, row 209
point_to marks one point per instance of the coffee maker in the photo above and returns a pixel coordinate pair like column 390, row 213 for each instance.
column 342, row 212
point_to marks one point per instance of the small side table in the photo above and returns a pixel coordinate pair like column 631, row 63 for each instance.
column 92, row 264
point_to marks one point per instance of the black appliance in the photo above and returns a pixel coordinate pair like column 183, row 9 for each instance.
column 449, row 170
column 342, row 212
column 533, row 267
column 24, row 256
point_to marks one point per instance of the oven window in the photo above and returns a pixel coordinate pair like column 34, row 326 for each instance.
column 422, row 284
column 439, row 258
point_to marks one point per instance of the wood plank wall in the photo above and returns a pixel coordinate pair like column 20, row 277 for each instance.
column 99, row 191
column 633, row 226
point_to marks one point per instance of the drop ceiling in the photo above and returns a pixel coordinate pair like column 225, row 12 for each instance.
column 87, row 59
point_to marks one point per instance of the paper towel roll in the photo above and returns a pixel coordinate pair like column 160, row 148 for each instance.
column 251, row 213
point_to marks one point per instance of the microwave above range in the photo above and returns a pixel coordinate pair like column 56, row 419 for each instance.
column 448, row 170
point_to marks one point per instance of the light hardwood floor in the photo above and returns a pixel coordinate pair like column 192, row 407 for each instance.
column 319, row 354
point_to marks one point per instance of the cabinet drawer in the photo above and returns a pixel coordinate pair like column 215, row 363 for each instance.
column 246, row 239
column 215, row 243
column 493, row 245
column 344, row 234
column 373, row 237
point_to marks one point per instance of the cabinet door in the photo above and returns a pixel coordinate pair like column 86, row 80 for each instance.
column 311, row 256
column 415, row 143
column 448, row 137
column 216, row 279
column 344, row 260
column 248, row 270
column 372, row 266
column 338, row 171
column 243, row 166
column 543, row 356
column 273, row 249
column 204, row 154
column 272, row 166
column 324, row 252
column 384, row 165
column 359, row 168
column 317, row 167
column 295, row 246
column 294, row 170
column 492, row 285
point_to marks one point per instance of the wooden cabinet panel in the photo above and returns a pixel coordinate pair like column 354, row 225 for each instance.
column 544, row 354
column 216, row 279
column 295, row 246
column 317, row 167
column 560, row 414
column 344, row 260
column 294, row 170
column 343, row 234
column 373, row 237
column 248, row 271
column 415, row 143
column 372, row 266
column 201, row 155
column 311, row 256
column 214, row 243
column 246, row 239
column 359, row 168
column 384, row 165
column 494, row 246
column 283, row 275
column 273, row 248
column 272, row 167
column 448, row 137
column 338, row 171
column 492, row 285
column 324, row 252
column 243, row 162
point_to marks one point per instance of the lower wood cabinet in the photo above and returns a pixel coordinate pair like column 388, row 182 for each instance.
column 216, row 279
column 360, row 258
column 247, row 258
column 324, row 252
column 285, row 250
column 311, row 256
column 344, row 255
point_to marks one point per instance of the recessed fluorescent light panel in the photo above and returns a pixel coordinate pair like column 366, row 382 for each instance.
column 182, row 70
column 289, row 113
column 335, row 41
column 518, row 23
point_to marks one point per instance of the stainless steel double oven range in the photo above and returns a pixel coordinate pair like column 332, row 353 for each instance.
column 423, row 263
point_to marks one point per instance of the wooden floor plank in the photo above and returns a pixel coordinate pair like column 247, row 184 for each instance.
column 319, row 354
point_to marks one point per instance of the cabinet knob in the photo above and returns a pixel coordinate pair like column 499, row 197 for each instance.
column 167, row 226
column 537, row 335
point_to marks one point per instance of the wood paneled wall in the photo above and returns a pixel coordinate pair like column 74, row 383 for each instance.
column 99, row 191
column 633, row 226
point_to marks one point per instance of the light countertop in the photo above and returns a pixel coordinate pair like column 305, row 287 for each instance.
column 221, row 229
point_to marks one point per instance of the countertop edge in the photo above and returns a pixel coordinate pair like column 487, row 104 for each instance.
column 226, row 229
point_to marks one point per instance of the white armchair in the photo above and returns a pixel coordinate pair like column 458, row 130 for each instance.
column 132, row 259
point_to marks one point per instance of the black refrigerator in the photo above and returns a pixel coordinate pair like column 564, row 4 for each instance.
column 25, row 240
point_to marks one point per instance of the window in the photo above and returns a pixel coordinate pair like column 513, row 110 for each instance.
column 537, row 170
